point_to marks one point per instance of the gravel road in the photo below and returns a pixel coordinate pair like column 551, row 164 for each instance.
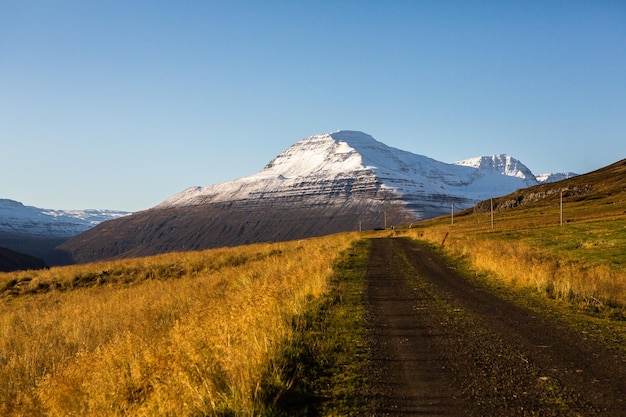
column 444, row 346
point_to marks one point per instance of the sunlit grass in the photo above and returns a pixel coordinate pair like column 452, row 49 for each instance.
column 324, row 362
column 177, row 334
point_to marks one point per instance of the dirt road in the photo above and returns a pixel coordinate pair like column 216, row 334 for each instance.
column 447, row 347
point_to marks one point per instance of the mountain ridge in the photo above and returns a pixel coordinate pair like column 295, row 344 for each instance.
column 15, row 217
column 322, row 184
column 370, row 165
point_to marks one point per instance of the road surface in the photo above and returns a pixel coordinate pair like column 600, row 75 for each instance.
column 444, row 346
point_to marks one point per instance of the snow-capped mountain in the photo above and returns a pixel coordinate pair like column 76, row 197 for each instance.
column 16, row 218
column 344, row 164
column 323, row 184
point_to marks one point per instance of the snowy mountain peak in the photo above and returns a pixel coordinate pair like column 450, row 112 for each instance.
column 316, row 155
column 336, row 153
column 361, row 142
column 331, row 167
column 502, row 163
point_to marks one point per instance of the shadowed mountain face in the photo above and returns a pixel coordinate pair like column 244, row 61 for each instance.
column 42, row 247
column 15, row 261
column 213, row 225
column 323, row 184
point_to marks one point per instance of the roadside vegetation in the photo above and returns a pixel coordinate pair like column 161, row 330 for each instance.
column 217, row 332
column 578, row 256
column 324, row 362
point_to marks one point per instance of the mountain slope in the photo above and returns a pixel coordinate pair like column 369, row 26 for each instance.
column 322, row 184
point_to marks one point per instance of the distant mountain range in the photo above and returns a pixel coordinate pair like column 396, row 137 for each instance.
column 36, row 231
column 322, row 184
column 15, row 217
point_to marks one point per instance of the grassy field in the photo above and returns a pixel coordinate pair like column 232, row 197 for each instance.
column 195, row 334
column 268, row 329
column 274, row 329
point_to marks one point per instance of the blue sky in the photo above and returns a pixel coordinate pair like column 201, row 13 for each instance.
column 121, row 104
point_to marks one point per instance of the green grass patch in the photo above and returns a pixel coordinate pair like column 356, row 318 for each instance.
column 322, row 368
column 596, row 243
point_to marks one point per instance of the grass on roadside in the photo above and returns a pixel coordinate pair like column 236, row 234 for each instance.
column 188, row 334
column 323, row 363
column 605, row 326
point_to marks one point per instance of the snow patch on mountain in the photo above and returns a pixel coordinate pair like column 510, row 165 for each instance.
column 16, row 218
column 554, row 177
column 497, row 175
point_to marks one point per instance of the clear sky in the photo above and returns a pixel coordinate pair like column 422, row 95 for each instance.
column 121, row 104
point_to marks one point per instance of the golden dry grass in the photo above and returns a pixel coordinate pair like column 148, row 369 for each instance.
column 178, row 334
column 583, row 261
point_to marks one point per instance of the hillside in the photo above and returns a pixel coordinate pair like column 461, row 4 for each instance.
column 603, row 189
column 199, row 332
column 15, row 261
column 327, row 183
column 268, row 329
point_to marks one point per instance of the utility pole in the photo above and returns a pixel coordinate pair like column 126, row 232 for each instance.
column 385, row 213
column 452, row 208
column 360, row 230
column 492, row 213
column 561, row 210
